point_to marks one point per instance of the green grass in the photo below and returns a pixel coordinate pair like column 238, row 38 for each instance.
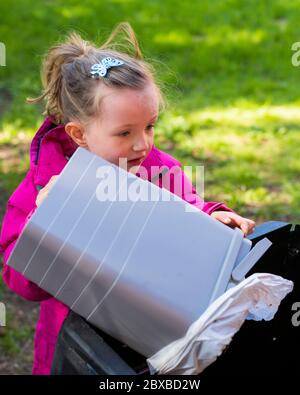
column 227, row 70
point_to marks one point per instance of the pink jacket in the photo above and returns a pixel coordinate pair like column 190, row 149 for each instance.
column 49, row 152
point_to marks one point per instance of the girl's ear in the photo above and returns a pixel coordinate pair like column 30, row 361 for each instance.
column 76, row 132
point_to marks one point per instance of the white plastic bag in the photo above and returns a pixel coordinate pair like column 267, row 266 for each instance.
column 257, row 297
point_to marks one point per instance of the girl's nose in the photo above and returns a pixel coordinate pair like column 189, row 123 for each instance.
column 141, row 144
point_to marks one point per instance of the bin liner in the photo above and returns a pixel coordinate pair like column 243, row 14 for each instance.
column 257, row 297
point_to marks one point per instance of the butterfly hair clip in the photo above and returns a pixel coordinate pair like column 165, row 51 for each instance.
column 100, row 69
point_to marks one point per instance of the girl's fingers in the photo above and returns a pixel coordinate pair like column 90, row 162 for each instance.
column 230, row 219
column 245, row 224
column 233, row 220
column 251, row 231
column 52, row 180
column 43, row 193
column 225, row 220
column 223, row 217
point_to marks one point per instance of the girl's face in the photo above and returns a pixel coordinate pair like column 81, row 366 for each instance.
column 125, row 127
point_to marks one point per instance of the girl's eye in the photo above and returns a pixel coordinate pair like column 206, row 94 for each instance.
column 124, row 134
column 150, row 127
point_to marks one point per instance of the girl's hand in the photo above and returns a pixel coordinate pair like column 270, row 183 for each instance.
column 43, row 193
column 233, row 220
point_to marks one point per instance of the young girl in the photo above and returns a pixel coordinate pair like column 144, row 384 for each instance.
column 108, row 102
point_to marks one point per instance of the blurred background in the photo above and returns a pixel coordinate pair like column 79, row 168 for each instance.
column 233, row 94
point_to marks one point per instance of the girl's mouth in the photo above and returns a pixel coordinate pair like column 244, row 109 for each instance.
column 136, row 161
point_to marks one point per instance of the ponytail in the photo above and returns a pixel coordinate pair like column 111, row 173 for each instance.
column 68, row 90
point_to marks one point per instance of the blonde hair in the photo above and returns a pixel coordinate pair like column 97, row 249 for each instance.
column 69, row 90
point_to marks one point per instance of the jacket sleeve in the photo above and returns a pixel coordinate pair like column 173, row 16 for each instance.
column 183, row 187
column 11, row 229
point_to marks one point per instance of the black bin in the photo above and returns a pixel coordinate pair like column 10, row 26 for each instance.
column 259, row 348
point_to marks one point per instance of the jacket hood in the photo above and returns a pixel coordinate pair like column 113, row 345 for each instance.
column 55, row 133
